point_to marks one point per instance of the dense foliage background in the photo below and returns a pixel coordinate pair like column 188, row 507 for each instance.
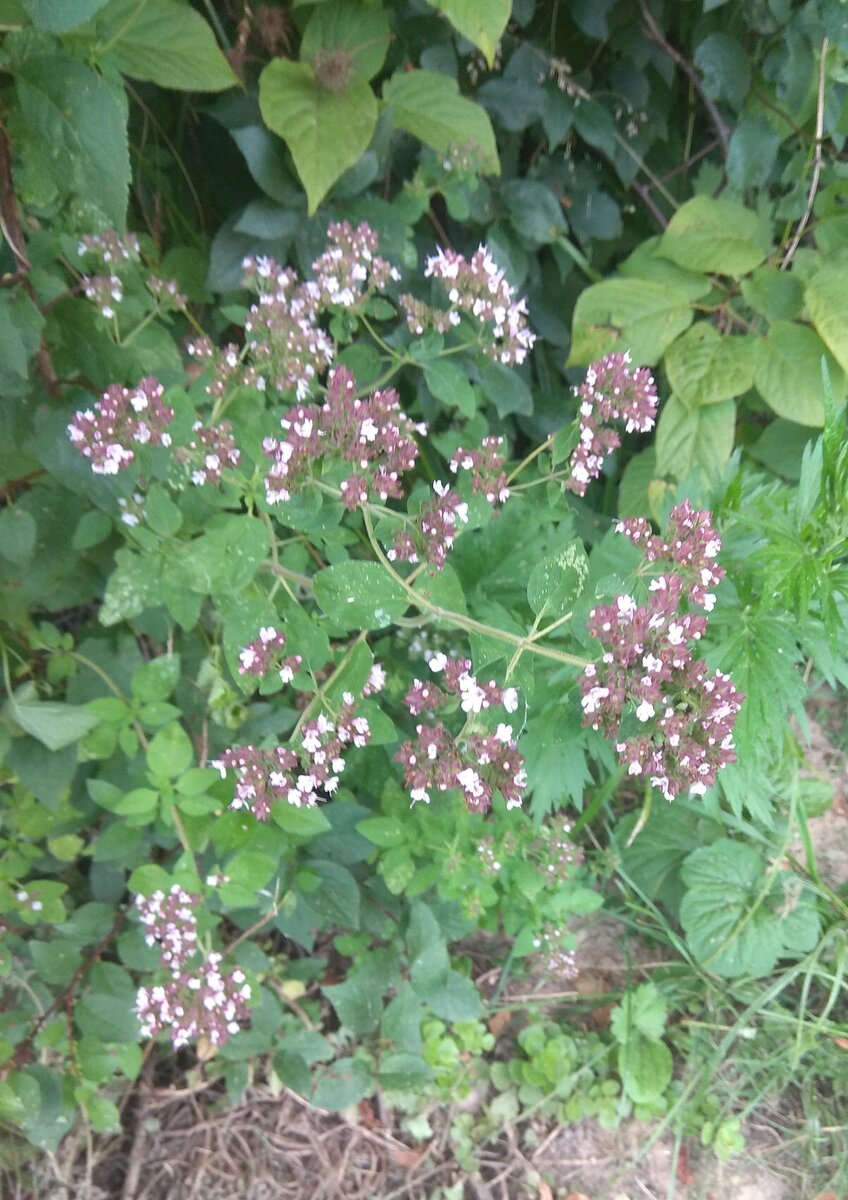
column 662, row 179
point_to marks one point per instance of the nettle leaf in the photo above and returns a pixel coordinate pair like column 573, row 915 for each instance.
column 359, row 595
column 705, row 368
column 165, row 43
column 689, row 436
column 788, row 373
column 557, row 581
column 710, row 235
column 752, row 153
column 826, row 297
column 429, row 106
column 59, row 16
column 480, row 21
column 638, row 315
column 325, row 130
column 360, row 30
column 729, row 926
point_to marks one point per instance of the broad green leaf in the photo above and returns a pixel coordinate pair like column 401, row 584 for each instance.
column 106, row 1010
column 58, row 16
column 156, row 679
column 170, row 752
column 506, row 389
column 326, row 131
column 788, row 373
column 479, row 21
column 265, row 160
column 429, row 106
column 705, row 368
column 729, row 926
column 645, row 1068
column 752, row 153
column 166, row 43
column 687, row 437
column 404, row 1071
column 638, row 315
column 383, row 831
column 457, row 999
column 359, row 31
column 710, row 235
column 359, row 595
column 359, row 1000
column 343, row 1083
column 447, row 383
column 774, row 294
column 52, row 723
column 161, row 513
column 300, row 822
column 17, row 534
column 73, row 121
column 557, row 581
column 826, row 297
column 428, row 954
column 726, row 68
column 534, row 211
column 336, row 898
column 132, row 587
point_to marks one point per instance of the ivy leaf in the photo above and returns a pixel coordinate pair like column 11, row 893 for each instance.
column 325, row 130
column 686, row 437
column 826, row 297
column 638, row 315
column 729, row 926
column 710, row 235
column 359, row 595
column 788, row 373
column 165, row 43
column 429, row 106
column 705, row 368
column 480, row 21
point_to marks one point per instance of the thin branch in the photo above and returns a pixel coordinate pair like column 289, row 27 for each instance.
column 691, row 74
column 818, row 160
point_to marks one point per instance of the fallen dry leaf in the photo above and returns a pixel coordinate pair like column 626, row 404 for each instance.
column 684, row 1175
column 409, row 1156
column 499, row 1021
column 576, row 1196
column 545, row 1192
column 368, row 1116
column 842, row 1042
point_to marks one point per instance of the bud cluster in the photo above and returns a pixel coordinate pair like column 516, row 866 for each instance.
column 211, row 450
column 106, row 291
column 265, row 776
column 266, row 652
column 199, row 999
column 610, row 392
column 371, row 434
column 486, row 465
column 166, row 293
column 648, row 668
column 105, row 434
column 350, row 268
column 459, row 682
column 111, row 250
column 478, row 288
column 433, row 530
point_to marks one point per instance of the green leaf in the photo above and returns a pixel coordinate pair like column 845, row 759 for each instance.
column 428, row 953
column 17, row 534
column 774, row 294
column 336, row 899
column 343, row 1084
column 404, row 1071
column 479, row 21
column 456, row 1000
column 705, row 368
column 645, row 1068
column 170, row 752
column 644, row 1010
column 359, row 595
column 710, row 235
column 534, row 211
column 300, row 822
column 20, row 333
column 52, row 723
column 687, row 437
column 326, row 131
column 165, row 43
column 557, row 581
column 359, row 29
column 826, row 297
column 106, row 1011
column 506, row 389
column 74, row 124
column 726, row 68
column 447, row 383
column 429, row 106
column 730, row 927
column 638, row 315
column 752, row 153
column 359, row 1000
column 162, row 514
column 788, row 373
column 383, row 831
column 132, row 587
column 59, row 16
column 93, row 528
column 156, row 679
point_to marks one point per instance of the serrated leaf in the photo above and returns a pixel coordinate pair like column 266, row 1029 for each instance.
column 429, row 106
column 480, row 21
column 326, row 131
column 643, row 1010
column 165, row 43
column 638, row 315
column 687, row 437
column 710, row 235
column 705, row 368
column 788, row 373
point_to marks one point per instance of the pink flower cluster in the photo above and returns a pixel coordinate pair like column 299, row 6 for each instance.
column 350, row 267
column 199, row 999
column 648, row 668
column 225, row 365
column 106, row 291
column 477, row 764
column 459, row 682
column 486, row 465
column 265, row 776
column 610, row 392
column 110, row 249
column 433, row 531
column 210, row 452
column 105, row 434
column 477, row 287
column 371, row 434
column 166, row 293
column 266, row 652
